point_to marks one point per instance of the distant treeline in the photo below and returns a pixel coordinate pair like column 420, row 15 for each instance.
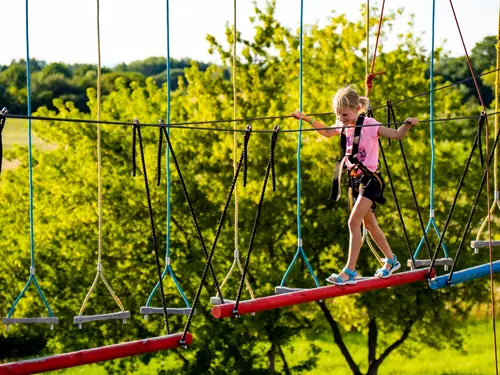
column 71, row 81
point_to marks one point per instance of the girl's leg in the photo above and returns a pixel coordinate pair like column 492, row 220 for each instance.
column 359, row 211
column 371, row 225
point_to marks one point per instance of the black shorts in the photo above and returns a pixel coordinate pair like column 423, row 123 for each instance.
column 370, row 187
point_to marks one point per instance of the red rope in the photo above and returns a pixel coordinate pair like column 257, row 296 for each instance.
column 468, row 58
column 371, row 76
column 489, row 194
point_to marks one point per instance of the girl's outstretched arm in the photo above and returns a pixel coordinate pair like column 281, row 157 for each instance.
column 400, row 133
column 322, row 128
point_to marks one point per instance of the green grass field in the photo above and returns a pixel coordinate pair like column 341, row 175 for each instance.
column 15, row 132
column 477, row 357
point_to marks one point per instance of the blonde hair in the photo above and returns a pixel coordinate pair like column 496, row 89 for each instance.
column 347, row 97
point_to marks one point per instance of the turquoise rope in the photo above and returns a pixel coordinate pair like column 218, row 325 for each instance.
column 432, row 220
column 300, row 250
column 168, row 131
column 168, row 269
column 32, row 278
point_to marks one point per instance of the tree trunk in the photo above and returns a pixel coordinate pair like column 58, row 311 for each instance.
column 374, row 364
column 285, row 364
column 271, row 355
column 373, row 369
column 337, row 337
column 372, row 341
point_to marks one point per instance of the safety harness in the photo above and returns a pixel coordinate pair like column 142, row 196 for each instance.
column 358, row 168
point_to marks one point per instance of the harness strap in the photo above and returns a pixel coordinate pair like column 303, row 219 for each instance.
column 340, row 167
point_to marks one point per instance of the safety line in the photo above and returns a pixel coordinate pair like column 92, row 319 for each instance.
column 32, row 277
column 444, row 119
column 492, row 287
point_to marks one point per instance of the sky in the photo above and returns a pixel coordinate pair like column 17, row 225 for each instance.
column 65, row 30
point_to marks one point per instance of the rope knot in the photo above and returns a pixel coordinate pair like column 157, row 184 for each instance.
column 369, row 79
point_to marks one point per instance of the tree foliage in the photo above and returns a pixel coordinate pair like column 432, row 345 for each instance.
column 267, row 85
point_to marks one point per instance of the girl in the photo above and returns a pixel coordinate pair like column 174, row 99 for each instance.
column 365, row 180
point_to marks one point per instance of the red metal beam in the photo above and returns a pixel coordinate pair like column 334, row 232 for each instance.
column 84, row 357
column 318, row 294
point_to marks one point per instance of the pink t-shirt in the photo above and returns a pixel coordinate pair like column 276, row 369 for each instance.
column 368, row 144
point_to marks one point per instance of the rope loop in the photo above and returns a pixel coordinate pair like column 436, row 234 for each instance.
column 152, row 226
column 159, row 154
column 480, row 125
column 134, row 146
column 245, row 157
column 245, row 153
column 273, row 146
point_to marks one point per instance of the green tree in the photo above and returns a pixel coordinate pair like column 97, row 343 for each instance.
column 267, row 85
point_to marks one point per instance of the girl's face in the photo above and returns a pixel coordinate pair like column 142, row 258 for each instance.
column 347, row 116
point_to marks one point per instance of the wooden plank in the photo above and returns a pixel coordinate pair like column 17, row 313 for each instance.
column 427, row 262
column 216, row 300
column 41, row 320
column 170, row 311
column 285, row 289
column 93, row 318
column 480, row 244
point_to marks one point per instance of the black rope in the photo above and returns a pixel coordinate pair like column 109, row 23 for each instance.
column 473, row 210
column 181, row 125
column 245, row 160
column 134, row 150
column 481, row 121
column 151, row 220
column 401, row 219
column 273, row 171
column 480, row 126
column 270, row 165
column 3, row 119
column 158, row 157
column 392, row 117
column 221, row 221
column 190, row 205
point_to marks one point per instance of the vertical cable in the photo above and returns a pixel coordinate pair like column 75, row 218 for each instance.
column 431, row 109
column 30, row 142
column 99, row 153
column 299, row 143
column 235, row 134
column 487, row 183
column 168, row 235
column 367, row 32
column 492, row 283
column 432, row 220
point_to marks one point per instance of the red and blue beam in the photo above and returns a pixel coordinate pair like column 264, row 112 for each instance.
column 88, row 356
column 318, row 294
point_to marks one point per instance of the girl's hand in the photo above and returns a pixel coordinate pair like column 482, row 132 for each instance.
column 299, row 115
column 411, row 121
